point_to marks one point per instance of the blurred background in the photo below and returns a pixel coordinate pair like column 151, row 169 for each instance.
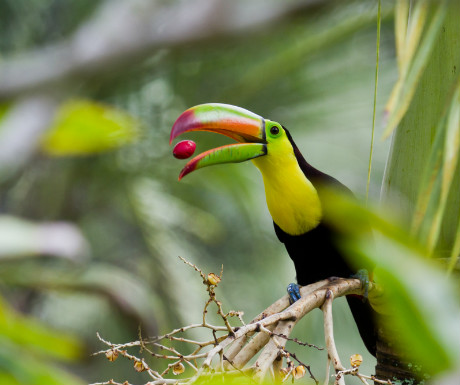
column 93, row 218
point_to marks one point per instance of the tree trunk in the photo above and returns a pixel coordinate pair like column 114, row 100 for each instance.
column 393, row 364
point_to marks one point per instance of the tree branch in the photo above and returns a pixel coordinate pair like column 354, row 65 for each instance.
column 278, row 306
column 269, row 332
column 332, row 353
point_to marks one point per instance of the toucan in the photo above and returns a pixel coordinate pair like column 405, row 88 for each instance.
column 294, row 194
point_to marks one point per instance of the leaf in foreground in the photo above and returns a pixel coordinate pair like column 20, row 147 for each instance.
column 84, row 127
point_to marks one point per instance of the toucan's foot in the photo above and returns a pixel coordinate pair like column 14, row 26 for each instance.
column 294, row 292
column 363, row 276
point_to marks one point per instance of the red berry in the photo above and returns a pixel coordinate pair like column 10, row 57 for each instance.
column 184, row 149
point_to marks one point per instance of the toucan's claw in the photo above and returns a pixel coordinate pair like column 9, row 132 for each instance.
column 294, row 292
column 363, row 276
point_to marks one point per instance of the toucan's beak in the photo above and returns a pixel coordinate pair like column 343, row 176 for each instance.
column 234, row 122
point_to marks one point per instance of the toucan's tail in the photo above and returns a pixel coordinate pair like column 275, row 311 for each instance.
column 366, row 320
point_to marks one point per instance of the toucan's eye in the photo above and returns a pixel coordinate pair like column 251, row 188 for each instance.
column 274, row 130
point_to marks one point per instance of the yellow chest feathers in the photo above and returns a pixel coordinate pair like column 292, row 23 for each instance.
column 292, row 200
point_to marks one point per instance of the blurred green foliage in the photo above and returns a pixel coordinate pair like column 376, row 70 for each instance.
column 82, row 127
column 135, row 215
column 422, row 306
column 26, row 347
column 313, row 72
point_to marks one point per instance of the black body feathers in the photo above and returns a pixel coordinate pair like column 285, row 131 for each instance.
column 316, row 255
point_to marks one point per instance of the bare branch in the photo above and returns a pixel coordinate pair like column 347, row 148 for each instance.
column 194, row 267
column 306, row 366
column 272, row 349
column 252, row 348
column 329, row 336
column 270, row 332
column 362, row 377
column 276, row 307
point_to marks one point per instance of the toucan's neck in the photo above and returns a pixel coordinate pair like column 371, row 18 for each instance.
column 292, row 199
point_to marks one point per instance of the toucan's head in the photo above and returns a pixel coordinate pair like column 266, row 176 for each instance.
column 292, row 199
column 257, row 137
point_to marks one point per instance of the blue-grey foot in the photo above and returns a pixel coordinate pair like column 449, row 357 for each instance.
column 363, row 276
column 294, row 292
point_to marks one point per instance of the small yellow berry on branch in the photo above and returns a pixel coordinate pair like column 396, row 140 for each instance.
column 356, row 360
column 213, row 279
column 299, row 372
column 178, row 368
column 139, row 366
column 111, row 355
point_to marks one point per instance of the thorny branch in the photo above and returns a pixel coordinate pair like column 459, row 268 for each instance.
column 228, row 354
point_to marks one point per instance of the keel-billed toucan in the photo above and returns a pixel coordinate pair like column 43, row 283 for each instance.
column 293, row 192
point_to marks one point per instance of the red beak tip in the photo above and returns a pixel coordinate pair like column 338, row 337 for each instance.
column 181, row 175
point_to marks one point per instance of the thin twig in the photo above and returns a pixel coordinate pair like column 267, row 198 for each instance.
column 293, row 355
column 298, row 342
column 362, row 377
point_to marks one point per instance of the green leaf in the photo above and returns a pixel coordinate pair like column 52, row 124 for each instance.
column 407, row 86
column 401, row 16
column 424, row 308
column 423, row 303
column 84, row 127
column 408, row 32
column 3, row 109
column 18, row 366
column 418, row 17
column 419, row 164
column 452, row 145
column 455, row 253
column 449, row 166
column 439, row 175
column 30, row 335
column 429, row 190
column 23, row 239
